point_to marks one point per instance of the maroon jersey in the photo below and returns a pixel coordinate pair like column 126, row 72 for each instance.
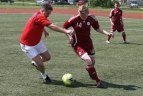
column 116, row 15
column 82, row 28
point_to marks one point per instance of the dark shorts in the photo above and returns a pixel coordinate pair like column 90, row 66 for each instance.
column 118, row 27
column 81, row 49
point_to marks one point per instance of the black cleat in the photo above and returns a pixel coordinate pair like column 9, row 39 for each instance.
column 47, row 79
column 126, row 42
column 100, row 84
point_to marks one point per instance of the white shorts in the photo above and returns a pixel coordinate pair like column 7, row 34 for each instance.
column 33, row 51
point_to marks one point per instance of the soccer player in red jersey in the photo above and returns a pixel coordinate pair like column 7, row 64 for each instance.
column 81, row 42
column 81, row 2
column 30, row 40
column 116, row 21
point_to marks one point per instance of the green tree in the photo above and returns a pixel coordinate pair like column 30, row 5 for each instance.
column 102, row 3
column 94, row 3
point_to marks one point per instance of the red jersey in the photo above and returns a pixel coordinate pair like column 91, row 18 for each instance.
column 116, row 15
column 82, row 28
column 33, row 30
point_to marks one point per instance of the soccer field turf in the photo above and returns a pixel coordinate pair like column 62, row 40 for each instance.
column 119, row 65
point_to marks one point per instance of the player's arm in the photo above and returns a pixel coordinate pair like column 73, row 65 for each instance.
column 110, row 17
column 111, row 21
column 96, row 26
column 102, row 31
column 46, row 22
column 60, row 29
column 67, row 25
column 46, row 33
column 122, row 19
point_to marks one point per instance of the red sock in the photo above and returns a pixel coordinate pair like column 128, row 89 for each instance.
column 92, row 73
column 109, row 37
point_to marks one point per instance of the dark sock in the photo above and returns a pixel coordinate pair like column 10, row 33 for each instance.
column 109, row 37
column 124, row 37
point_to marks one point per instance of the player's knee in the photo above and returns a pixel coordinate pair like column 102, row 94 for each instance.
column 123, row 33
column 93, row 62
column 86, row 58
column 48, row 58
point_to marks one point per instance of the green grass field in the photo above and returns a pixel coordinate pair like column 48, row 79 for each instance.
column 119, row 65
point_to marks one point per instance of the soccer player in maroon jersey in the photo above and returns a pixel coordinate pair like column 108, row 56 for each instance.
column 116, row 21
column 30, row 40
column 81, row 2
column 81, row 42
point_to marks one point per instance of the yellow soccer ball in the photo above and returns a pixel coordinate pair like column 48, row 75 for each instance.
column 67, row 79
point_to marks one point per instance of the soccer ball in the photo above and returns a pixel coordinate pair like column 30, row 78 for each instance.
column 67, row 79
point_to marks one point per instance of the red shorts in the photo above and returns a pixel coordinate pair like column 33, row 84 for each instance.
column 81, row 49
column 118, row 27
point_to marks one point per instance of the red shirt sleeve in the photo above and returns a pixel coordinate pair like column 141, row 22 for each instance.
column 42, row 20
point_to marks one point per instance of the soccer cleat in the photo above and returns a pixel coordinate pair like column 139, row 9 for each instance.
column 100, row 84
column 125, row 42
column 47, row 79
column 107, row 42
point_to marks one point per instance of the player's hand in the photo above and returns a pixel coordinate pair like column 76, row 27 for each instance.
column 46, row 34
column 112, row 23
column 70, row 32
column 70, row 40
column 111, row 34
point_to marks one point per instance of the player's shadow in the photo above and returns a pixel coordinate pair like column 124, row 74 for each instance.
column 125, row 87
column 77, row 84
column 130, row 43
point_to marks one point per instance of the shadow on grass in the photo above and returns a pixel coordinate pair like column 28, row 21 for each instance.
column 130, row 43
column 77, row 84
column 125, row 87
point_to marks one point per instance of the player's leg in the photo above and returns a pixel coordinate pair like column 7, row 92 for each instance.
column 120, row 28
column 44, row 56
column 33, row 54
column 40, row 66
column 124, row 37
column 89, row 64
column 43, row 52
column 90, row 61
column 90, row 67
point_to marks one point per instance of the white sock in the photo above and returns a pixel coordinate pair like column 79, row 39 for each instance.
column 44, row 75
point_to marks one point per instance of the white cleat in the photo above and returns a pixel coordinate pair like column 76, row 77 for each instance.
column 107, row 42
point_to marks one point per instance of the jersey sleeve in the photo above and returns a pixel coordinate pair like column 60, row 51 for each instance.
column 70, row 22
column 121, row 13
column 41, row 20
column 95, row 23
column 67, row 24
